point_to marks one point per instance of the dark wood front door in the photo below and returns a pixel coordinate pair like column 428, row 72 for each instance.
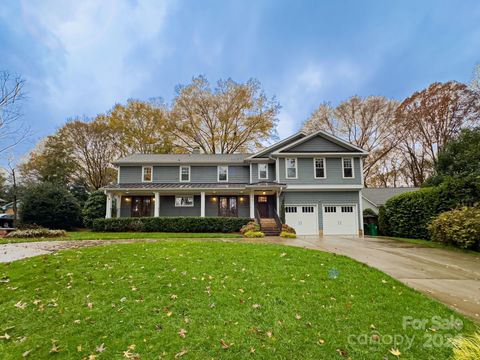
column 262, row 206
column 141, row 206
column 227, row 206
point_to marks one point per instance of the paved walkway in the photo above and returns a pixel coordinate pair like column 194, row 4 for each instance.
column 452, row 277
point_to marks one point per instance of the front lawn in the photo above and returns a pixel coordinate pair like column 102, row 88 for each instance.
column 91, row 235
column 202, row 300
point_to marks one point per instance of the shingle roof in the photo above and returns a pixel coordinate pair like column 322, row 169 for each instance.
column 187, row 186
column 182, row 158
column 379, row 196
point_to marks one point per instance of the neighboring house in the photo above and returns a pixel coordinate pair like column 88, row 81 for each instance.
column 8, row 208
column 373, row 198
column 318, row 179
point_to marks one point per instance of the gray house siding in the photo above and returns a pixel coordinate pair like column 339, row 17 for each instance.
column 271, row 172
column 170, row 174
column 279, row 146
column 305, row 172
column 318, row 144
column 167, row 207
column 323, row 198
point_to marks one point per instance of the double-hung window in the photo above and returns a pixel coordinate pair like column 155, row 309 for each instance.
column 347, row 165
column 222, row 173
column 262, row 171
column 147, row 174
column 319, row 168
column 291, row 168
column 184, row 173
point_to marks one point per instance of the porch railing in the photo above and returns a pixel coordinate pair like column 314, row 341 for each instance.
column 278, row 221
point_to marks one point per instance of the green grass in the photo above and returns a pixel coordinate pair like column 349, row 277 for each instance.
column 428, row 243
column 91, row 235
column 259, row 301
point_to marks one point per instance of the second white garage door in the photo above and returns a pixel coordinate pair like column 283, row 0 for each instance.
column 303, row 218
column 340, row 220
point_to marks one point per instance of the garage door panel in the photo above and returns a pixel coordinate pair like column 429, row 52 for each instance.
column 303, row 218
column 339, row 220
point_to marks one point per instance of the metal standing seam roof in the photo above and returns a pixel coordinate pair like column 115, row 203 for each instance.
column 182, row 159
column 379, row 196
column 187, row 186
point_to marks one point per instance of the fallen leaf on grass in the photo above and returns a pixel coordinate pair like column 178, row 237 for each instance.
column 342, row 352
column 256, row 306
column 21, row 305
column 181, row 353
column 6, row 336
column 224, row 344
column 174, row 297
column 100, row 348
column 55, row 348
column 90, row 305
column 182, row 333
column 395, row 352
column 26, row 353
column 252, row 350
column 321, row 341
column 298, row 316
column 269, row 334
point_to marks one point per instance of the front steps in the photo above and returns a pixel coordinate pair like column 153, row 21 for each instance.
column 269, row 227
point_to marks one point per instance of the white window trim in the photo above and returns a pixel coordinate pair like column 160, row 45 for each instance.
column 181, row 196
column 258, row 171
column 353, row 168
column 324, row 168
column 296, row 168
column 180, row 173
column 218, row 173
column 143, row 173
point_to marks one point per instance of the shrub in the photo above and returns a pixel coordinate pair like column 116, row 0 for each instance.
column 49, row 206
column 95, row 207
column 171, row 224
column 466, row 348
column 286, row 234
column 288, row 229
column 459, row 227
column 37, row 233
column 369, row 213
column 383, row 225
column 251, row 226
column 409, row 214
column 254, row 234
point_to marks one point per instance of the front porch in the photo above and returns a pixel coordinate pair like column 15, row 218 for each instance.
column 253, row 203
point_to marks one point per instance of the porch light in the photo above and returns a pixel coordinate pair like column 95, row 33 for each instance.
column 241, row 198
column 264, row 193
column 214, row 199
column 127, row 199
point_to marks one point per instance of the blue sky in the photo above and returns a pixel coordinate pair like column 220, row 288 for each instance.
column 79, row 58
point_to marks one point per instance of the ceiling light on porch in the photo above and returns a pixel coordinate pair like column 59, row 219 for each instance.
column 264, row 193
column 127, row 199
column 214, row 199
column 241, row 198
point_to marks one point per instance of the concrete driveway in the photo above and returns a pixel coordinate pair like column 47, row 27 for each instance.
column 452, row 277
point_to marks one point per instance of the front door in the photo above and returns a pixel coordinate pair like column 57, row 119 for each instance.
column 227, row 206
column 141, row 206
column 262, row 206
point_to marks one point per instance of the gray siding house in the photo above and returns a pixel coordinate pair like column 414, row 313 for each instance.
column 314, row 179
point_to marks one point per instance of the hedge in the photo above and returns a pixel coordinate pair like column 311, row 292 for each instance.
column 172, row 224
column 459, row 227
column 409, row 214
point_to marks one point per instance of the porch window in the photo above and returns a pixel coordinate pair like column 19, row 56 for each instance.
column 262, row 199
column 347, row 168
column 222, row 173
column 262, row 171
column 319, row 165
column 184, row 201
column 147, row 174
column 291, row 168
column 184, row 173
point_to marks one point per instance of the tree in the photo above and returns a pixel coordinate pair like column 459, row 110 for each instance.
column 49, row 206
column 51, row 161
column 231, row 118
column 437, row 114
column 140, row 127
column 11, row 95
column 89, row 144
column 461, row 156
column 368, row 123
column 95, row 207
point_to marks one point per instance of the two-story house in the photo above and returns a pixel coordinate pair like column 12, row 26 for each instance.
column 315, row 179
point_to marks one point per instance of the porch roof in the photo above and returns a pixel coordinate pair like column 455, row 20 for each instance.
column 188, row 186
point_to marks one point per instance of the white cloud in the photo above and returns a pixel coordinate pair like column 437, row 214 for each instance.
column 91, row 43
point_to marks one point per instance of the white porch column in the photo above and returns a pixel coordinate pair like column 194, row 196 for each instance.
column 252, row 205
column 278, row 203
column 156, row 212
column 118, row 204
column 108, row 213
column 202, row 204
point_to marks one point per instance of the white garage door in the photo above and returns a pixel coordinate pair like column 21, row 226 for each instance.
column 303, row 218
column 340, row 220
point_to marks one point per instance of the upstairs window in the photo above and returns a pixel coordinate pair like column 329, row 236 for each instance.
column 262, row 171
column 184, row 173
column 147, row 174
column 222, row 173
column 319, row 168
column 347, row 168
column 291, row 168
